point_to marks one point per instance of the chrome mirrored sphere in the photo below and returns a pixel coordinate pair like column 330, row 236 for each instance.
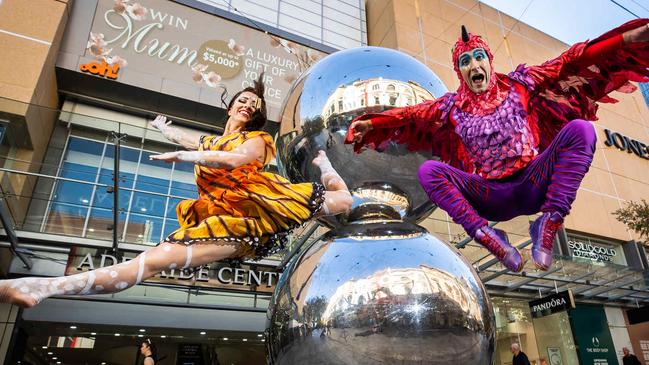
column 317, row 114
column 380, row 293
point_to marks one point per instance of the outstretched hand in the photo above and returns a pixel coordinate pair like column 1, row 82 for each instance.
column 360, row 128
column 168, row 157
column 160, row 122
column 639, row 34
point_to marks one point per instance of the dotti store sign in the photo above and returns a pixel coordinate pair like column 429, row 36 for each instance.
column 171, row 48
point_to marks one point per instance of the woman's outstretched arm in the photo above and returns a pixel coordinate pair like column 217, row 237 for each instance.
column 253, row 149
column 189, row 140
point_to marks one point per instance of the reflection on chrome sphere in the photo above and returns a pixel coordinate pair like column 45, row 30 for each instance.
column 317, row 114
column 380, row 293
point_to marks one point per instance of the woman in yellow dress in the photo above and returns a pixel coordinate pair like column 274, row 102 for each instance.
column 241, row 212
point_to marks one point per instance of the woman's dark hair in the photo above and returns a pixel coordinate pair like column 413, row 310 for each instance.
column 258, row 118
column 152, row 347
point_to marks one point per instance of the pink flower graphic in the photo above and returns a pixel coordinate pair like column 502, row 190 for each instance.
column 197, row 72
column 292, row 46
column 212, row 79
column 136, row 11
column 312, row 56
column 236, row 48
column 96, row 45
column 117, row 60
column 200, row 74
column 120, row 6
column 289, row 78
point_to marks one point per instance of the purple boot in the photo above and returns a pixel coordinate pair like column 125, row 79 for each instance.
column 496, row 241
column 543, row 231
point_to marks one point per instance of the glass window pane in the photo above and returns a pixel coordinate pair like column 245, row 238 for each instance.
column 104, row 199
column 143, row 229
column 182, row 183
column 78, row 171
column 171, row 208
column 73, row 192
column 128, row 160
column 100, row 223
column 84, row 152
column 152, row 184
column 170, row 226
column 188, row 191
column 148, row 204
column 81, row 162
column 66, row 219
column 153, row 175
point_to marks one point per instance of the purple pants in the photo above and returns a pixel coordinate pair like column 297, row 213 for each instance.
column 548, row 184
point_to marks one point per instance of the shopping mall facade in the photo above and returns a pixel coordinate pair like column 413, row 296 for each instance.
column 79, row 80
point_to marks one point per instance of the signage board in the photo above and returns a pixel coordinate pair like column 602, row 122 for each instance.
column 592, row 336
column 257, row 278
column 100, row 69
column 170, row 48
column 190, row 354
column 624, row 143
column 551, row 304
column 596, row 250
column 554, row 356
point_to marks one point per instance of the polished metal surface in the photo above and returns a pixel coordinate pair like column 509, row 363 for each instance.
column 377, row 289
column 317, row 114
column 380, row 293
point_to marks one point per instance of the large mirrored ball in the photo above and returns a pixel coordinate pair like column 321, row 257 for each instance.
column 380, row 294
column 319, row 109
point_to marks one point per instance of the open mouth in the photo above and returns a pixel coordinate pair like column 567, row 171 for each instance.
column 244, row 112
column 477, row 78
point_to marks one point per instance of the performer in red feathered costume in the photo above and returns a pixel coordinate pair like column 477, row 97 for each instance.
column 513, row 144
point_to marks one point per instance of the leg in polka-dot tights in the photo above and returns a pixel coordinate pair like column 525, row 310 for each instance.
column 27, row 292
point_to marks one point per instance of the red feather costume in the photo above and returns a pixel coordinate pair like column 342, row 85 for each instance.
column 556, row 92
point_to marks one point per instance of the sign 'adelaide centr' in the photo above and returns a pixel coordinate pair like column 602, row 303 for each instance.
column 168, row 43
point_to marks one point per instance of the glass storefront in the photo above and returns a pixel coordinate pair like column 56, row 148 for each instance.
column 81, row 205
column 548, row 337
column 195, row 318
column 513, row 325
column 78, row 343
column 554, row 339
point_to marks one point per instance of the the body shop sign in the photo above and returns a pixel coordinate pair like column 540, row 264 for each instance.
column 592, row 336
column 164, row 40
column 595, row 250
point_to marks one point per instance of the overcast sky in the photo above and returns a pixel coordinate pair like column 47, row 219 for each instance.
column 572, row 20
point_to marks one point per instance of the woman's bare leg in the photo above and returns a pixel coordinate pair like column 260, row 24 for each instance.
column 27, row 292
column 337, row 197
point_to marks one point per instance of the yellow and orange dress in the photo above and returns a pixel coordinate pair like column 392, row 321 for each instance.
column 255, row 208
